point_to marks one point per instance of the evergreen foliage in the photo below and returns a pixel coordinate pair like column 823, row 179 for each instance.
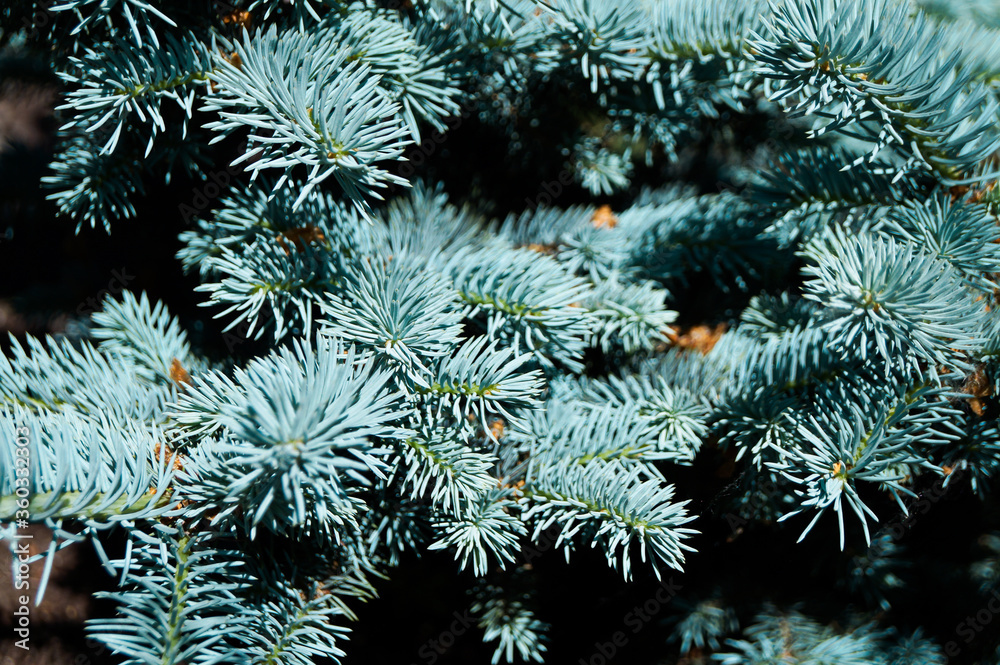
column 443, row 368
